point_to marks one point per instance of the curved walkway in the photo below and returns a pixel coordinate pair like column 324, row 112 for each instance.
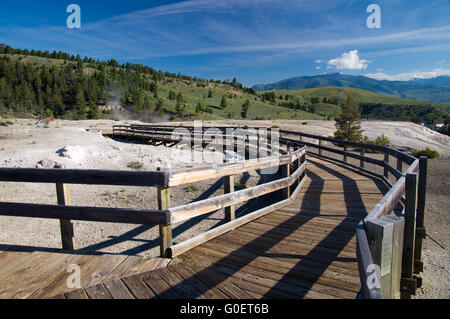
column 305, row 250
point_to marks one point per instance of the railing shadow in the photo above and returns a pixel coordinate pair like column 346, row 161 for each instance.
column 233, row 262
column 352, row 199
column 295, row 283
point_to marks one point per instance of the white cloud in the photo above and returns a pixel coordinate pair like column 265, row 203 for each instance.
column 318, row 61
column 318, row 67
column 349, row 61
column 410, row 75
column 441, row 62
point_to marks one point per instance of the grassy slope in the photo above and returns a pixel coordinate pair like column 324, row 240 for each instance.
column 194, row 94
column 340, row 93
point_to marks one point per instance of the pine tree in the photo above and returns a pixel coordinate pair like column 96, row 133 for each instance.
column 93, row 111
column 348, row 121
column 223, row 103
column 245, row 108
column 81, row 105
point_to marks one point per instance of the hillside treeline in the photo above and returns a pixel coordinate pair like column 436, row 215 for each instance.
column 72, row 87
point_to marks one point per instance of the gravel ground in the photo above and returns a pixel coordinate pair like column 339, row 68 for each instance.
column 436, row 257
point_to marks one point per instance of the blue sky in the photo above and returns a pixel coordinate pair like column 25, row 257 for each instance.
column 257, row 41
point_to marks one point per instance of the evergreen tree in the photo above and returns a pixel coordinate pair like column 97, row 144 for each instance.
column 348, row 122
column 245, row 108
column 223, row 103
column 81, row 105
column 93, row 111
column 199, row 108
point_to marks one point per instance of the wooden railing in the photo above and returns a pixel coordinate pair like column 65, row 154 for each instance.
column 389, row 246
column 291, row 161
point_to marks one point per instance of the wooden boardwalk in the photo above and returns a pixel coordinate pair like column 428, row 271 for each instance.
column 304, row 250
column 25, row 273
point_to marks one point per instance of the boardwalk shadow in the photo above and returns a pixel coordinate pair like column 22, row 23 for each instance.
column 299, row 280
column 234, row 262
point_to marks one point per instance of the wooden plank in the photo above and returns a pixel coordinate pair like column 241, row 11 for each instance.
column 210, row 277
column 138, row 287
column 123, row 268
column 369, row 276
column 410, row 226
column 48, row 275
column 77, row 294
column 285, row 173
column 159, row 286
column 282, row 262
column 213, row 233
column 380, row 234
column 104, row 267
column 230, row 211
column 199, row 208
column 94, row 214
column 196, row 281
column 85, row 177
column 389, row 201
column 397, row 251
column 183, row 288
column 165, row 231
column 421, row 200
column 98, row 292
column 66, row 226
column 191, row 175
column 118, row 290
column 321, row 278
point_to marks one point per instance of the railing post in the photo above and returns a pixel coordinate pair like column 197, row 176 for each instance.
column 230, row 211
column 345, row 155
column 409, row 284
column 363, row 153
column 399, row 165
column 165, row 231
column 285, row 171
column 386, row 160
column 66, row 226
column 385, row 236
column 320, row 149
column 420, row 219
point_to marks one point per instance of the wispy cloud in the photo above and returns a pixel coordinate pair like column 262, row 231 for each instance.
column 410, row 75
column 205, row 27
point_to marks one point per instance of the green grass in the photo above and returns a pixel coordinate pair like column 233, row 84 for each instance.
column 135, row 165
column 426, row 152
column 192, row 188
column 340, row 93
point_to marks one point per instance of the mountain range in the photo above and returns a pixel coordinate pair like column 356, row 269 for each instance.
column 436, row 90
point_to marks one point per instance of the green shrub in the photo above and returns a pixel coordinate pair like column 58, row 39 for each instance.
column 382, row 140
column 240, row 185
column 428, row 152
column 191, row 188
column 135, row 165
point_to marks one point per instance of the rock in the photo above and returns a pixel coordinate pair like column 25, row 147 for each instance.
column 75, row 153
column 45, row 163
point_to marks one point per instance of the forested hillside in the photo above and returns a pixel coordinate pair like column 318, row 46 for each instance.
column 36, row 83
column 56, row 84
